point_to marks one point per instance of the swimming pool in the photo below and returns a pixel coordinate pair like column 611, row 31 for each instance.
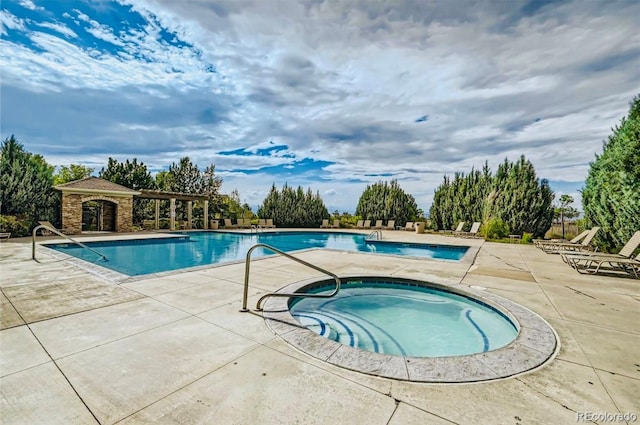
column 521, row 340
column 397, row 318
column 192, row 249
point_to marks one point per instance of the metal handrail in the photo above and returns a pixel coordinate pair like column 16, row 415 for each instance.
column 51, row 229
column 257, row 228
column 245, row 295
column 377, row 233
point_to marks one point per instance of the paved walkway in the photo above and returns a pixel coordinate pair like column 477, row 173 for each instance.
column 78, row 349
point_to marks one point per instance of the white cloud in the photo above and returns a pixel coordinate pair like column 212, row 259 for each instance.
column 62, row 29
column 334, row 82
column 28, row 4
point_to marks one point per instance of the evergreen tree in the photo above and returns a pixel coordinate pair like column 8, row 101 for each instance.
column 611, row 196
column 130, row 174
column 520, row 199
column 387, row 201
column 71, row 173
column 186, row 177
column 135, row 176
column 293, row 207
column 26, row 184
column 461, row 199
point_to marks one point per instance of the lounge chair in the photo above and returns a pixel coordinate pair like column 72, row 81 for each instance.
column 576, row 258
column 229, row 225
column 5, row 235
column 366, row 224
column 409, row 226
column 360, row 224
column 458, row 229
column 539, row 243
column 336, row 224
column 593, row 264
column 262, row 223
column 47, row 232
column 560, row 248
column 270, row 224
column 325, row 223
column 391, row 225
column 473, row 232
column 378, row 224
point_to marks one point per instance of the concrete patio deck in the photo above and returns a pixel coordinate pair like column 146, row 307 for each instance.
column 77, row 348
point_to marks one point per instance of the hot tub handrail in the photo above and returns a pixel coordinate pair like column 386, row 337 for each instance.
column 245, row 295
column 52, row 229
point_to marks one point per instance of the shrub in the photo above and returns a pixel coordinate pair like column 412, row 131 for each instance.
column 17, row 226
column 527, row 237
column 495, row 228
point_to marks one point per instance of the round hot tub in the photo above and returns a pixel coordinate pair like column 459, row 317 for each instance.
column 412, row 330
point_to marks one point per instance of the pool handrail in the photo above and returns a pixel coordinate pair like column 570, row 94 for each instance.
column 245, row 295
column 376, row 233
column 54, row 230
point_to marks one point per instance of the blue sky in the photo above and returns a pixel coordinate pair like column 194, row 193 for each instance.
column 331, row 95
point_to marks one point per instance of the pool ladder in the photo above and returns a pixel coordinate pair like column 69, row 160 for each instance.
column 257, row 228
column 376, row 234
column 245, row 295
column 51, row 229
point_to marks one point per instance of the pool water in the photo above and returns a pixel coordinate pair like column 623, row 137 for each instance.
column 145, row 256
column 402, row 319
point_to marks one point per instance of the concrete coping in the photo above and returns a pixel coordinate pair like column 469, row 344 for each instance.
column 535, row 345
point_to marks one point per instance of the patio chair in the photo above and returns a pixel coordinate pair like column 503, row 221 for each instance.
column 456, row 230
column 409, row 226
column 459, row 228
column 229, row 225
column 473, row 232
column 47, row 232
column 391, row 225
column 378, row 224
column 5, row 235
column 360, row 224
column 539, row 243
column 559, row 248
column 270, row 224
column 336, row 224
column 593, row 264
column 575, row 258
column 366, row 224
column 262, row 223
column 325, row 223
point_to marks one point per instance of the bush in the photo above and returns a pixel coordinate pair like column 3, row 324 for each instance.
column 495, row 228
column 15, row 225
column 527, row 237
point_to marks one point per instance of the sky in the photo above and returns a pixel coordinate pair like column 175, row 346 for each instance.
column 332, row 95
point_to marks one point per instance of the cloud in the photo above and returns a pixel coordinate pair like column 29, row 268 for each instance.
column 323, row 94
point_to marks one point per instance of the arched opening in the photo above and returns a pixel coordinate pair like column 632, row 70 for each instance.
column 99, row 216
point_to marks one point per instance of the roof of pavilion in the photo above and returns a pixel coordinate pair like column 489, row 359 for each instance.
column 95, row 185
column 98, row 186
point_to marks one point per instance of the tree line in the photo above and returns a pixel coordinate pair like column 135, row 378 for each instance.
column 513, row 200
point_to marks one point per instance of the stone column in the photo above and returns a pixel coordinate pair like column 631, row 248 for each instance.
column 71, row 213
column 172, row 212
column 189, row 217
column 124, row 214
column 206, row 214
column 157, row 225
